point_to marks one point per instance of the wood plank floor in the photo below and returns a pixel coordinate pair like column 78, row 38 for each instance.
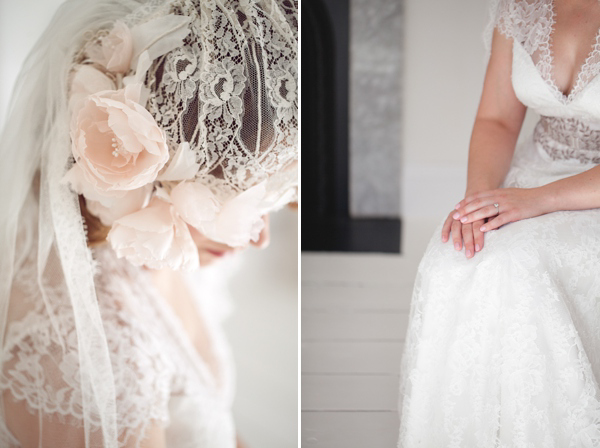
column 354, row 316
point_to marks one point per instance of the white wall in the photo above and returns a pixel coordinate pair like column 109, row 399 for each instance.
column 444, row 70
column 21, row 23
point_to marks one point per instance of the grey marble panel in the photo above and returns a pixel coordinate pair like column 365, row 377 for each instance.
column 376, row 57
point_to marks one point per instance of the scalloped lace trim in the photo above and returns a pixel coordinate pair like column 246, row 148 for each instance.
column 150, row 362
column 532, row 23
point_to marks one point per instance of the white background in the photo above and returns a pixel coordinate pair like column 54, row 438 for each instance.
column 444, row 70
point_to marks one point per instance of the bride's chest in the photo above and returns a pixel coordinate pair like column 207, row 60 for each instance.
column 556, row 55
column 540, row 92
column 572, row 42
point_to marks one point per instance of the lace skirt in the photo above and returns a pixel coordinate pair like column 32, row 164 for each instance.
column 503, row 350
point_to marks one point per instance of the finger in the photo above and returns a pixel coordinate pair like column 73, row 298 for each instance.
column 467, row 233
column 478, row 235
column 472, row 206
column 498, row 221
column 446, row 228
column 474, row 196
column 457, row 235
column 488, row 211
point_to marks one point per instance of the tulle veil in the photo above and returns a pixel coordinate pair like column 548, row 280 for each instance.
column 42, row 232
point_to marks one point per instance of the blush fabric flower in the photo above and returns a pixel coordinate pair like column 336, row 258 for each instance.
column 111, row 209
column 116, row 142
column 235, row 223
column 86, row 80
column 108, row 208
column 116, row 50
column 156, row 237
column 195, row 203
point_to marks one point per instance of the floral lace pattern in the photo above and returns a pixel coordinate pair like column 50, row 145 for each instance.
column 503, row 350
column 531, row 23
column 151, row 363
column 568, row 139
column 242, row 122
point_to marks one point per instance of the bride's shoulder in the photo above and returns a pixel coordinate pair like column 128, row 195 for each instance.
column 516, row 6
column 527, row 21
column 41, row 362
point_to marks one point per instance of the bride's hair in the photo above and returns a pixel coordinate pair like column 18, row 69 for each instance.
column 95, row 231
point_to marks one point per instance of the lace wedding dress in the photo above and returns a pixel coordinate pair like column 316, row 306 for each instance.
column 161, row 379
column 503, row 350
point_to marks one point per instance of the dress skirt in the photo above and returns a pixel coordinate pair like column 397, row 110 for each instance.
column 503, row 350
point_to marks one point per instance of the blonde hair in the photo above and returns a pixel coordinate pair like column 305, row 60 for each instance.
column 95, row 230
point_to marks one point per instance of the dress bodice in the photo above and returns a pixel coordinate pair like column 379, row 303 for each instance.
column 569, row 127
column 158, row 374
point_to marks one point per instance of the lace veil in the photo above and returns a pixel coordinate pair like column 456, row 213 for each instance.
column 229, row 92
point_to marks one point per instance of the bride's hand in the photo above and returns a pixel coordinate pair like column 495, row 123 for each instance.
column 500, row 207
column 469, row 234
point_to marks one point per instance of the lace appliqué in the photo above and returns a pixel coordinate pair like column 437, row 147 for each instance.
column 241, row 119
column 502, row 352
column 531, row 23
column 41, row 360
column 568, row 139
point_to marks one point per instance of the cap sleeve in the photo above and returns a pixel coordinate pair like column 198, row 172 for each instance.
column 529, row 22
column 40, row 378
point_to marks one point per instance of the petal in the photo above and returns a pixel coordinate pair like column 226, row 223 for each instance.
column 182, row 166
column 240, row 219
column 86, row 81
column 195, row 203
column 154, row 218
column 118, row 48
column 75, row 177
column 131, row 202
column 173, row 28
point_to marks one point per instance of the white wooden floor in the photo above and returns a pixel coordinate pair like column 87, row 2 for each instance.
column 354, row 316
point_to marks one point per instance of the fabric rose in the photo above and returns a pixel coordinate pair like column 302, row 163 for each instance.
column 155, row 237
column 111, row 209
column 86, row 80
column 115, row 51
column 116, row 143
column 235, row 223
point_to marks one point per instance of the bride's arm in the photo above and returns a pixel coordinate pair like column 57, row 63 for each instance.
column 579, row 192
column 497, row 125
column 498, row 122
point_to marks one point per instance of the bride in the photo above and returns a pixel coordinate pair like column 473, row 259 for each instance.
column 144, row 138
column 503, row 343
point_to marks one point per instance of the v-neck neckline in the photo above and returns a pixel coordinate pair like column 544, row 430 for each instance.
column 214, row 379
column 578, row 83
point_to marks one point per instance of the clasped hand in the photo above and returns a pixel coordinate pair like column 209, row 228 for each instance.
column 476, row 214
